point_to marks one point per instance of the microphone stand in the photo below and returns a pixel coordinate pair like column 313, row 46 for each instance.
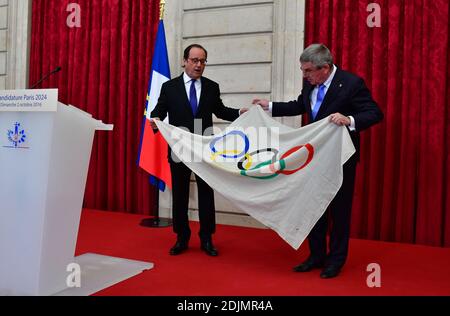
column 156, row 221
column 57, row 69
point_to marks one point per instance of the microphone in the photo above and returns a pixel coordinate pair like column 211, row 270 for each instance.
column 57, row 69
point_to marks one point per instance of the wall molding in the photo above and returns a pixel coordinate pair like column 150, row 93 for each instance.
column 19, row 40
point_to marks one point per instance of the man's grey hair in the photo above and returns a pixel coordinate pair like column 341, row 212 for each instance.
column 318, row 54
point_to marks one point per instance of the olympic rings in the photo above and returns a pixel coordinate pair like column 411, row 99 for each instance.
column 268, row 169
column 223, row 154
column 274, row 158
column 212, row 145
column 291, row 151
column 263, row 164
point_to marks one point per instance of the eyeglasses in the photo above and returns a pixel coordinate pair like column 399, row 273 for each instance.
column 195, row 61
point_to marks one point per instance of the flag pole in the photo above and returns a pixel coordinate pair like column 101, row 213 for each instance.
column 157, row 221
column 162, row 8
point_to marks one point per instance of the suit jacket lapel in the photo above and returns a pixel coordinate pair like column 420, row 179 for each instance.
column 308, row 89
column 203, row 93
column 183, row 94
column 333, row 91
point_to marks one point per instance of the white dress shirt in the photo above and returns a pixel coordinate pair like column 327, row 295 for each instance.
column 313, row 97
column 327, row 84
column 187, row 85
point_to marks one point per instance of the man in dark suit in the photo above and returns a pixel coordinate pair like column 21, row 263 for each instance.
column 187, row 99
column 330, row 91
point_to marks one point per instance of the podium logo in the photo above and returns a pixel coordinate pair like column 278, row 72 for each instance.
column 16, row 137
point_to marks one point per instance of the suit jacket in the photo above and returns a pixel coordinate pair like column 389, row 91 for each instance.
column 174, row 101
column 347, row 95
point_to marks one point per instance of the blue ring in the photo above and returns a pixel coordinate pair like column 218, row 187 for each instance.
column 213, row 143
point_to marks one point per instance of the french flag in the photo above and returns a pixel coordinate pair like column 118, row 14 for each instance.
column 153, row 150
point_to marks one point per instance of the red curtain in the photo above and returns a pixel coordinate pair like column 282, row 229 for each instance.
column 105, row 70
column 402, row 191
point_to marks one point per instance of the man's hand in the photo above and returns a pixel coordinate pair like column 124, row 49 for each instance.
column 339, row 119
column 243, row 110
column 152, row 122
column 263, row 103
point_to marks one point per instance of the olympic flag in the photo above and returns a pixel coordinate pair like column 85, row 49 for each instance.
column 283, row 177
column 153, row 150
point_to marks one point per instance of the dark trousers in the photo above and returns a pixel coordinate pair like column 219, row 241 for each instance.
column 181, row 176
column 340, row 213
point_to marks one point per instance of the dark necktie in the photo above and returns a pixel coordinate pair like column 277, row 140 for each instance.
column 193, row 97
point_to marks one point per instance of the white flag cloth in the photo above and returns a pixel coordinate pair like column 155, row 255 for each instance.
column 283, row 177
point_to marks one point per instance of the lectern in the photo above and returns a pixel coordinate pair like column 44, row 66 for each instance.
column 45, row 148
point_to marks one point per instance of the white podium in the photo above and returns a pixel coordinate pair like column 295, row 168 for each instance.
column 45, row 148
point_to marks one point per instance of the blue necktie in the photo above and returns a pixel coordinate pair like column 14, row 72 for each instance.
column 193, row 97
column 320, row 97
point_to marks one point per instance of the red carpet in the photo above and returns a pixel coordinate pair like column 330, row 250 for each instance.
column 254, row 262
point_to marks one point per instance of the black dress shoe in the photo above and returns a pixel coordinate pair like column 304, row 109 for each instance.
column 208, row 247
column 330, row 271
column 308, row 265
column 179, row 247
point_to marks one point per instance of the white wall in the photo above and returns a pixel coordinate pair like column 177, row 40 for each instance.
column 3, row 41
column 15, row 26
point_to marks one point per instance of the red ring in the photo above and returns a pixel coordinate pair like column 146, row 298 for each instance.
column 310, row 149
